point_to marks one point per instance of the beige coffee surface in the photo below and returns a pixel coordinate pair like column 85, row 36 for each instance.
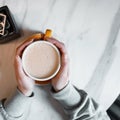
column 41, row 60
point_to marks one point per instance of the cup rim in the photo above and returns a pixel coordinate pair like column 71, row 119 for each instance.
column 51, row 76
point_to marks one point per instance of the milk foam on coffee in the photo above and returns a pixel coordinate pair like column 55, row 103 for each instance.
column 41, row 60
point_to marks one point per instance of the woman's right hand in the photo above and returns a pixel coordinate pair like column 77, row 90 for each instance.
column 25, row 83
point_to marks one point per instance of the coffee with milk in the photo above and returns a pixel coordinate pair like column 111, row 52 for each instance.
column 41, row 60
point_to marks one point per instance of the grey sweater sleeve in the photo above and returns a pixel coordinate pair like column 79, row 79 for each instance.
column 15, row 107
column 78, row 105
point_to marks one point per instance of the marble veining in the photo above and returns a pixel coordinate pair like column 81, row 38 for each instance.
column 106, row 59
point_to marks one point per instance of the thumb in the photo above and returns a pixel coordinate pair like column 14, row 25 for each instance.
column 18, row 67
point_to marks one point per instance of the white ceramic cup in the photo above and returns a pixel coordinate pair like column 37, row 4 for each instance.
column 41, row 60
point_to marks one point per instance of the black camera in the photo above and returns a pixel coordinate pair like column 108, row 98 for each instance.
column 8, row 28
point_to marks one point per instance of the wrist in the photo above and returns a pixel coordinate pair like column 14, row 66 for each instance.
column 59, row 88
column 68, row 97
column 25, row 92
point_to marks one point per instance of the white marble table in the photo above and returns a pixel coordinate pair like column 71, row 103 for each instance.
column 90, row 30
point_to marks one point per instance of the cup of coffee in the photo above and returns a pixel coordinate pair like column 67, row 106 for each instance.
column 41, row 60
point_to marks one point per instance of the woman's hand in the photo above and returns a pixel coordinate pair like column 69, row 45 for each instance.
column 25, row 84
column 62, row 78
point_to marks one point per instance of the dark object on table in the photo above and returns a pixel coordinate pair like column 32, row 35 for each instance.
column 114, row 110
column 8, row 28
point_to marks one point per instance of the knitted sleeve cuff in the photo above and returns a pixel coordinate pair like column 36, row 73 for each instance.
column 16, row 103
